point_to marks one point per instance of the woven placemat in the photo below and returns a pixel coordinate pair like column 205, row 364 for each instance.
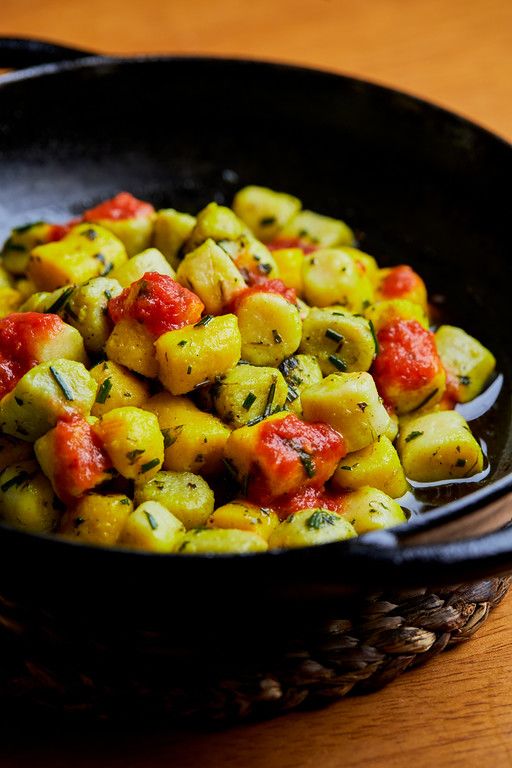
column 360, row 651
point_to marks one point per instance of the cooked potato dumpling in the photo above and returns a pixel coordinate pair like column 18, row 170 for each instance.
column 299, row 371
column 152, row 527
column 97, row 519
column 186, row 496
column 264, row 211
column 245, row 516
column 468, row 363
column 132, row 345
column 310, row 526
column 116, row 387
column 133, row 440
column 242, row 393
column 377, row 465
column 196, row 354
column 438, row 446
column 384, row 313
column 369, row 509
column 270, row 328
column 220, row 541
column 210, row 273
column 339, row 340
column 26, row 498
column 150, row 260
column 171, row 229
column 331, row 276
column 315, row 229
column 350, row 403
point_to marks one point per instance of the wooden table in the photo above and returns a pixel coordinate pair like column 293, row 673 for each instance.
column 457, row 711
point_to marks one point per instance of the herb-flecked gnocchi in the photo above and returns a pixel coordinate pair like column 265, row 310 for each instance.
column 239, row 380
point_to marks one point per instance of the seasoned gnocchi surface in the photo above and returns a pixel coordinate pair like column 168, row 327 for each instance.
column 243, row 379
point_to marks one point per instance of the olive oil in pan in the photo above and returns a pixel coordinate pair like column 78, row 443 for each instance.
column 484, row 414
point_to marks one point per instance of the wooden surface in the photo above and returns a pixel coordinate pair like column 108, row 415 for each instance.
column 457, row 711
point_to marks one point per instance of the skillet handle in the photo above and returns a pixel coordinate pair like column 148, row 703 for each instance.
column 18, row 53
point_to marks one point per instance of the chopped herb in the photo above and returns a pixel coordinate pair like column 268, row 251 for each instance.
column 60, row 301
column 308, row 463
column 25, row 227
column 337, row 362
column 413, row 435
column 9, row 246
column 374, row 336
column 133, row 455
column 19, row 401
column 168, row 438
column 149, row 465
column 254, row 421
column 464, row 380
column 334, row 335
column 320, row 518
column 125, row 502
column 90, row 234
column 427, row 398
column 267, row 221
column 15, row 481
column 151, row 520
column 243, row 362
column 78, row 521
column 249, row 401
column 460, row 463
column 61, row 381
column 338, row 314
column 230, row 468
column 201, row 383
column 71, row 313
column 199, row 458
column 108, row 269
column 104, row 391
column 362, row 406
column 346, row 468
column 182, row 343
column 292, row 394
column 277, row 336
column 101, row 258
column 270, row 399
column 265, row 268
column 203, row 321
column 189, row 370
column 107, row 294
column 288, row 365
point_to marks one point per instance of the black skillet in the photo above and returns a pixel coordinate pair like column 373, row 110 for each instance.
column 421, row 186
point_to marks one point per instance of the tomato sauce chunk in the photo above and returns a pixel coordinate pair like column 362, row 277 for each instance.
column 159, row 302
column 407, row 357
column 21, row 335
column 307, row 498
column 293, row 454
column 81, row 462
column 260, row 284
column 291, row 242
column 122, row 206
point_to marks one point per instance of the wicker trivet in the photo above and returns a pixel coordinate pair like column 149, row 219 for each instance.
column 360, row 652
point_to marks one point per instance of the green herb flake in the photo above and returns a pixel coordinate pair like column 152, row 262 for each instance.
column 319, row 518
column 168, row 438
column 464, row 380
column 249, row 401
column 267, row 221
column 78, row 521
column 62, row 383
column 104, row 391
column 460, row 463
column 90, row 234
column 413, row 435
column 124, row 502
column 265, row 268
column 203, row 321
column 308, row 463
column 374, row 336
column 362, row 406
column 292, row 394
column 426, row 399
column 182, row 343
column 277, row 336
column 337, row 362
column 334, row 335
column 60, row 302
column 189, row 370
column 270, row 399
column 18, row 400
column 151, row 520
column 149, row 465
column 346, row 468
column 132, row 456
column 25, row 227
column 15, row 481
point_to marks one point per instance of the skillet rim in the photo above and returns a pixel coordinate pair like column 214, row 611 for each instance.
column 380, row 546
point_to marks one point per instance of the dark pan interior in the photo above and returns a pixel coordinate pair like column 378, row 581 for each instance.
column 419, row 185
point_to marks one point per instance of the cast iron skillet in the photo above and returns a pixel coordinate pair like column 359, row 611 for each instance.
column 421, row 185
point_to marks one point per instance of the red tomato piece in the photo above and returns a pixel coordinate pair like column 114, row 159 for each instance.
column 407, row 356
column 399, row 282
column 21, row 333
column 58, row 231
column 122, row 206
column 293, row 454
column 260, row 284
column 307, row 498
column 291, row 242
column 80, row 459
column 159, row 302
